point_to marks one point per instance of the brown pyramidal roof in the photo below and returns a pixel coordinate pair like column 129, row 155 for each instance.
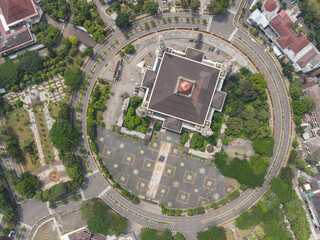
column 16, row 10
column 193, row 108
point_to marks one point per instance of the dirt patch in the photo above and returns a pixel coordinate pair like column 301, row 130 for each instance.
column 232, row 182
column 239, row 148
column 47, row 232
column 54, row 176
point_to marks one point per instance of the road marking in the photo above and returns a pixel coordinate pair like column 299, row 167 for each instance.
column 82, row 195
column 93, row 172
column 209, row 24
column 232, row 11
column 49, row 209
column 232, row 34
column 26, row 226
column 104, row 192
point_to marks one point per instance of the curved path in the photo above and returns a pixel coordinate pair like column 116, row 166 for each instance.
column 189, row 226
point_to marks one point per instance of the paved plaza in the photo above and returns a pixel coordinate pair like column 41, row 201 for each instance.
column 184, row 182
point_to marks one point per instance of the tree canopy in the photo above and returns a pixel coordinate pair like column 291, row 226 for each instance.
column 30, row 61
column 123, row 20
column 27, row 185
column 100, row 219
column 152, row 7
column 212, row 233
column 57, row 9
column 313, row 158
column 72, row 78
column 9, row 73
column 218, row 7
column 47, row 35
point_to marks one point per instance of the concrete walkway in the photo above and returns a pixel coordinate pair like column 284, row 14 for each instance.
column 49, row 122
column 35, row 130
column 158, row 170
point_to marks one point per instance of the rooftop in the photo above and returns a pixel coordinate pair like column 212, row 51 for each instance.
column 197, row 82
column 17, row 10
column 287, row 38
column 194, row 54
column 315, row 199
column 270, row 5
column 314, row 92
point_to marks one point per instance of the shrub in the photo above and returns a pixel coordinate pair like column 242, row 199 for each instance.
column 184, row 138
column 263, row 146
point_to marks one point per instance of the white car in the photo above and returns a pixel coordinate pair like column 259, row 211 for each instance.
column 134, row 93
column 132, row 80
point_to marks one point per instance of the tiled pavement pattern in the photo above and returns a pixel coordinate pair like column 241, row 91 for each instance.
column 56, row 82
column 185, row 182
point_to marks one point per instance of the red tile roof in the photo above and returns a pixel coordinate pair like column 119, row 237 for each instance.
column 16, row 10
column 287, row 38
column 270, row 5
column 305, row 59
column 311, row 74
column 308, row 85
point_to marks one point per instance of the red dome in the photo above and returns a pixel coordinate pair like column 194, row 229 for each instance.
column 270, row 5
column 185, row 87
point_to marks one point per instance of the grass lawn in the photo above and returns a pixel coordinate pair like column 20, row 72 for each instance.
column 19, row 121
column 230, row 235
column 54, row 109
column 44, row 134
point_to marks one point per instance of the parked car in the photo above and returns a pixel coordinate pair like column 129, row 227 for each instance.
column 161, row 158
column 209, row 49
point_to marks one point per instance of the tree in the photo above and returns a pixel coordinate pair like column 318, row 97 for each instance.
column 310, row 103
column 282, row 189
column 123, row 20
column 9, row 73
column 287, row 70
column 63, row 136
column 57, row 9
column 218, row 7
column 295, row 93
column 30, row 61
column 258, row 81
column 178, row 236
column 74, row 40
column 89, row 51
column 311, row 35
column 299, row 107
column 148, row 233
column 313, row 158
column 100, row 220
column 286, row 174
column 71, row 78
column 301, row 164
column 213, row 233
column 194, row 5
column 152, row 7
column 49, row 36
column 75, row 173
column 27, row 185
column 263, row 146
column 70, row 160
column 129, row 49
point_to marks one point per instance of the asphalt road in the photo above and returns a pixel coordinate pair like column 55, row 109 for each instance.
column 189, row 226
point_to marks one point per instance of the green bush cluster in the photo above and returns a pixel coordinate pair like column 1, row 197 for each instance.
column 212, row 233
column 13, row 149
column 47, row 35
column 157, row 126
column 251, row 173
column 150, row 233
column 198, row 142
column 268, row 214
column 7, row 206
column 247, row 106
column 57, row 9
column 100, row 219
column 184, row 138
column 131, row 120
column 57, row 191
column 126, row 194
column 86, row 15
column 98, row 102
